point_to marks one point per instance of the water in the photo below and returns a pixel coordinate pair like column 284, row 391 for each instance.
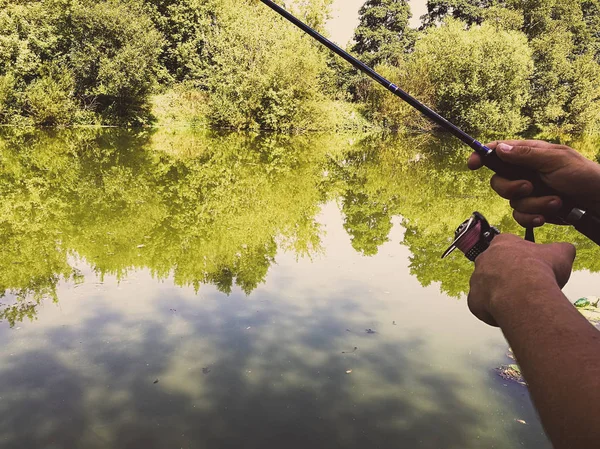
column 197, row 290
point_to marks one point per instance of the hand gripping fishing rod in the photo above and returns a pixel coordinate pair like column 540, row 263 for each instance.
column 570, row 213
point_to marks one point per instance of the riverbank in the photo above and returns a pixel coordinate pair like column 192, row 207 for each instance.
column 182, row 107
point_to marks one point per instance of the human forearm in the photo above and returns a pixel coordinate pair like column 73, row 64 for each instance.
column 559, row 354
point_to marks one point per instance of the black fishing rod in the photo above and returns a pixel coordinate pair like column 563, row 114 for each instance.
column 570, row 213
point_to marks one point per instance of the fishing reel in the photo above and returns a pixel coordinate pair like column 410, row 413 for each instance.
column 472, row 237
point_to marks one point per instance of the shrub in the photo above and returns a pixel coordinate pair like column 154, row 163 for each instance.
column 477, row 78
column 49, row 99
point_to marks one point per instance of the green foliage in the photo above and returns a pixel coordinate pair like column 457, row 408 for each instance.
column 591, row 16
column 565, row 39
column 477, row 78
column 182, row 105
column 184, row 24
column 383, row 34
column 566, row 82
column 114, row 56
column 254, row 82
column 314, row 13
column 8, row 98
column 96, row 56
column 49, row 99
column 209, row 208
column 468, row 11
column 391, row 113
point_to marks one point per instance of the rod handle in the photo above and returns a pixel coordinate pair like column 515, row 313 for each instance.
column 570, row 213
column 540, row 188
column 515, row 172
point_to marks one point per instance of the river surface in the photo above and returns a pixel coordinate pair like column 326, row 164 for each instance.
column 177, row 289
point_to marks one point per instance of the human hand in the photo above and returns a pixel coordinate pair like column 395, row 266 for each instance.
column 561, row 167
column 512, row 269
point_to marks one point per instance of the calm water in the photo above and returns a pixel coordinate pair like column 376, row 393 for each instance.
column 195, row 290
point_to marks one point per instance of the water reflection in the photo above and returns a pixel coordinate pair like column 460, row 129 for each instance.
column 208, row 208
column 240, row 272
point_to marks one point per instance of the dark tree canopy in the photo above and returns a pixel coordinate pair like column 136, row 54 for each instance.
column 383, row 34
column 468, row 11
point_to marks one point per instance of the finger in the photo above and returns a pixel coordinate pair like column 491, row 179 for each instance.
column 515, row 143
column 547, row 205
column 510, row 189
column 475, row 162
column 529, row 220
column 534, row 157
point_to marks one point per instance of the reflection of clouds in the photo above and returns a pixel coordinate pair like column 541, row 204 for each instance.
column 82, row 375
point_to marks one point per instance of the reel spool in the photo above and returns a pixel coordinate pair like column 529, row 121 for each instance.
column 472, row 237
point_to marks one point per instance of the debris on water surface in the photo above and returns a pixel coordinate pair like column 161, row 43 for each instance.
column 520, row 421
column 582, row 302
column 590, row 301
column 206, row 370
column 350, row 352
column 349, row 371
column 510, row 354
column 511, row 372
column 156, row 381
column 370, row 331
column 248, row 328
column 141, row 246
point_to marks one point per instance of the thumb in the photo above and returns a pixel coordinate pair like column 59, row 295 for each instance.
column 561, row 257
column 525, row 155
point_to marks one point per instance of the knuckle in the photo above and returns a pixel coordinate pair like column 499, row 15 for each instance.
column 515, row 204
column 524, row 150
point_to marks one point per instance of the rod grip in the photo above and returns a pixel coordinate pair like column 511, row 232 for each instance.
column 515, row 172
column 540, row 188
column 588, row 224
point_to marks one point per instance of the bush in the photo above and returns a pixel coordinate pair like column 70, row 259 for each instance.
column 49, row 99
column 477, row 78
column 566, row 87
column 390, row 111
column 8, row 98
column 103, row 56
column 266, row 74
column 114, row 54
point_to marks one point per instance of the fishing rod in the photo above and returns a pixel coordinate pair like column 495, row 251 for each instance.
column 570, row 213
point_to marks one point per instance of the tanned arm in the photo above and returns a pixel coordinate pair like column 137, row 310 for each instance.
column 517, row 286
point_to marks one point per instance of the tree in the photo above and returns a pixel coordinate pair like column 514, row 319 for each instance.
column 314, row 12
column 566, row 82
column 468, row 11
column 265, row 72
column 67, row 60
column 383, row 34
column 591, row 15
column 477, row 78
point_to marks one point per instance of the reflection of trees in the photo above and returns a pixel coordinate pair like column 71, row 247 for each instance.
column 215, row 208
column 206, row 213
column 367, row 221
column 426, row 182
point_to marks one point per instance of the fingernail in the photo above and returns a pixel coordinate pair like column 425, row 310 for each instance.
column 538, row 221
column 554, row 204
column 504, row 147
